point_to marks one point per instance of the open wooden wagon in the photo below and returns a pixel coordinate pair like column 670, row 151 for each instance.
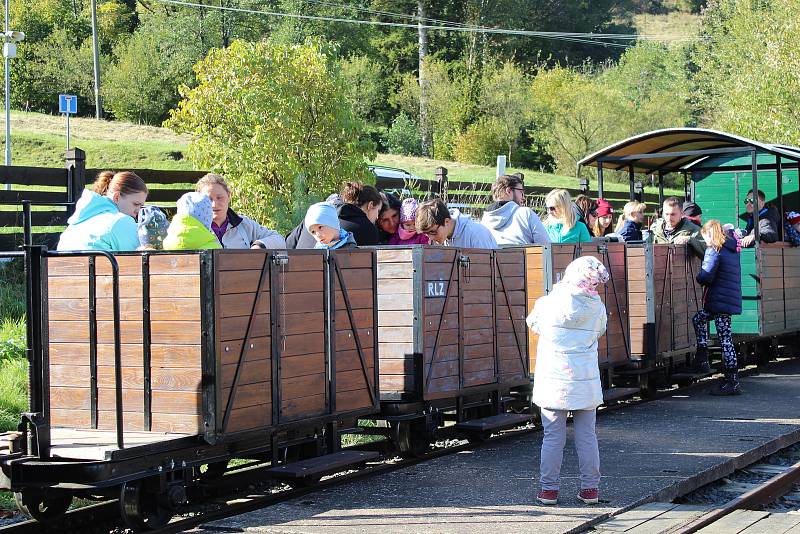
column 147, row 366
column 453, row 340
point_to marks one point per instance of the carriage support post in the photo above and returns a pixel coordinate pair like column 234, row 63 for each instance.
column 779, row 179
column 754, row 170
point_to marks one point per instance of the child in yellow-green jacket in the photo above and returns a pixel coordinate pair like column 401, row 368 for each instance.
column 191, row 227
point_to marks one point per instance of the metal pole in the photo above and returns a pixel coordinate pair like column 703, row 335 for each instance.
column 96, row 51
column 779, row 176
column 599, row 179
column 631, row 177
column 67, row 131
column 754, row 170
column 660, row 188
column 7, row 66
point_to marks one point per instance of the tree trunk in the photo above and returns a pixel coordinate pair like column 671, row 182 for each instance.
column 424, row 120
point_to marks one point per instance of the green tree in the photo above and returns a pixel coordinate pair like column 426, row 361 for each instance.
column 364, row 86
column 748, row 61
column 274, row 119
column 142, row 86
column 505, row 97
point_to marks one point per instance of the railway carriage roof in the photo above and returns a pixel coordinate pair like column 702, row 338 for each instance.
column 676, row 149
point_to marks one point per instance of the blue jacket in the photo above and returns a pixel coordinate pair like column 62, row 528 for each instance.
column 631, row 231
column 97, row 224
column 721, row 275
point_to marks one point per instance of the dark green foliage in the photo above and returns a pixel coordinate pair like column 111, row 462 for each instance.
column 403, row 137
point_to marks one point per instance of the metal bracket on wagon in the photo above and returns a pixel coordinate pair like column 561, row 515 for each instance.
column 280, row 257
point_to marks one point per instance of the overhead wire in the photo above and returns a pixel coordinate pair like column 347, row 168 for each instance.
column 599, row 39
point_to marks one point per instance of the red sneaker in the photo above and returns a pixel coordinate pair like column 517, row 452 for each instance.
column 547, row 496
column 589, row 495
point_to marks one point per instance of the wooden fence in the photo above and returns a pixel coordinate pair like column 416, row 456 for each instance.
column 54, row 191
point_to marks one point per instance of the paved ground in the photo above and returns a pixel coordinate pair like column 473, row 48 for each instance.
column 654, row 451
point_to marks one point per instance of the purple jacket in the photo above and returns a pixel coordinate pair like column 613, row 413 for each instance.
column 419, row 239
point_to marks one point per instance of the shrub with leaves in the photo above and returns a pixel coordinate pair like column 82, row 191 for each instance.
column 403, row 137
column 274, row 119
column 482, row 142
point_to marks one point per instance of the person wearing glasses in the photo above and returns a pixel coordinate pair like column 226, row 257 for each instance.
column 768, row 221
column 561, row 223
column 450, row 227
column 507, row 218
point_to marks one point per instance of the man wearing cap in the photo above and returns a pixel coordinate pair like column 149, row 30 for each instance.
column 693, row 212
column 674, row 227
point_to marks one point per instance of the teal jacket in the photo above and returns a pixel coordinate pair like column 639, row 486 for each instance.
column 577, row 234
column 97, row 224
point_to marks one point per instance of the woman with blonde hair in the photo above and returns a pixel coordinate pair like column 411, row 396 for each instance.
column 629, row 226
column 561, row 223
column 721, row 278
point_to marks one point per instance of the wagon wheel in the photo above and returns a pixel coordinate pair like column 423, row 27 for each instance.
column 411, row 438
column 141, row 507
column 43, row 508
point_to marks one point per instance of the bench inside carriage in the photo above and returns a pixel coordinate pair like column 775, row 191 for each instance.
column 204, row 336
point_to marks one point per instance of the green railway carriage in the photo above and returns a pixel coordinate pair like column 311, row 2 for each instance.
column 719, row 169
column 719, row 185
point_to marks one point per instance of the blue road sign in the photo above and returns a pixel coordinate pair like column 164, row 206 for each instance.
column 68, row 104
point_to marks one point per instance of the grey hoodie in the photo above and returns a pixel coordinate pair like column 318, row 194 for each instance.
column 469, row 233
column 511, row 224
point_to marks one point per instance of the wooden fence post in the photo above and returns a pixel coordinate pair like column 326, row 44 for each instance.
column 441, row 179
column 76, row 176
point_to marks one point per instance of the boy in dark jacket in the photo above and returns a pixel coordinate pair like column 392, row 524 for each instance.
column 720, row 276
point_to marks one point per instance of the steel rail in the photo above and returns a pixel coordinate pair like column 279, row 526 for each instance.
column 763, row 494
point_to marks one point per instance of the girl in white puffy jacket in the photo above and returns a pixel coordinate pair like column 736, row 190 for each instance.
column 569, row 320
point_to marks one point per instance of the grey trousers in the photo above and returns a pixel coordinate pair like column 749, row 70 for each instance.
column 555, row 437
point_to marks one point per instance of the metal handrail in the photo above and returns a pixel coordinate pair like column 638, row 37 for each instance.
column 117, row 329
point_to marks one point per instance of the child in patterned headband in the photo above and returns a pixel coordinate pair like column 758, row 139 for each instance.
column 567, row 379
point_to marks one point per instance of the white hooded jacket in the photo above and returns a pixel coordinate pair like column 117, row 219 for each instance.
column 569, row 321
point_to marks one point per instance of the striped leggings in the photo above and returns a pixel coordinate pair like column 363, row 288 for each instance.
column 723, row 323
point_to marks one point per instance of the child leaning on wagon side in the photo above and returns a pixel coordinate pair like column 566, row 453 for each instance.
column 721, row 278
column 569, row 321
column 407, row 233
column 105, row 215
column 322, row 222
column 191, row 227
column 153, row 226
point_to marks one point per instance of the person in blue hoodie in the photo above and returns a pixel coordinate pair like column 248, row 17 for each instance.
column 721, row 278
column 105, row 215
column 322, row 222
column 450, row 227
column 507, row 218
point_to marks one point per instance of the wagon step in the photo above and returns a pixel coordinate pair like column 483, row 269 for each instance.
column 689, row 377
column 315, row 468
column 613, row 394
column 495, row 423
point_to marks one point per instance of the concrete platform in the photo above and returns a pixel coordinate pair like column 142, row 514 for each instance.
column 650, row 452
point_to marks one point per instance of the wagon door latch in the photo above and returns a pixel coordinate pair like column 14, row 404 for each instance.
column 280, row 257
column 463, row 262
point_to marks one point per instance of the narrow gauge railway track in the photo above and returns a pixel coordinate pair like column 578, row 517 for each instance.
column 228, row 498
column 759, row 496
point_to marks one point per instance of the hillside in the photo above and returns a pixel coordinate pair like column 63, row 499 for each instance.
column 39, row 140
